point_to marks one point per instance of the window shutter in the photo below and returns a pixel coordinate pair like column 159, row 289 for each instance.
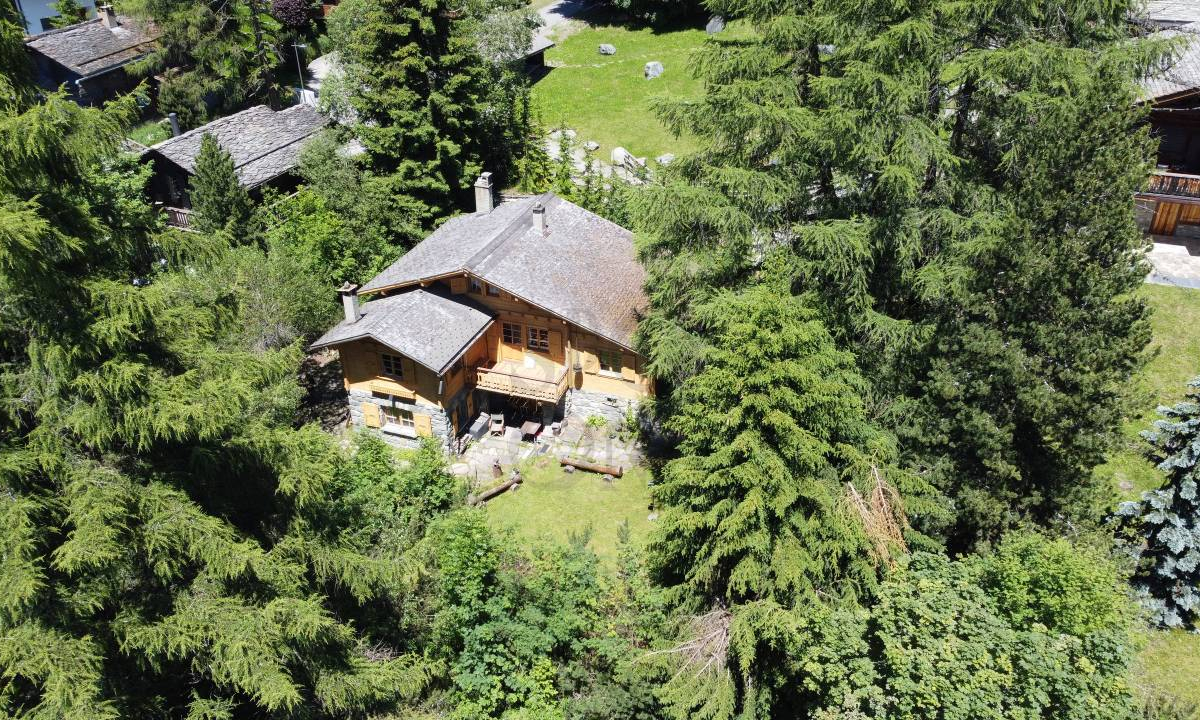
column 423, row 424
column 371, row 415
column 410, row 369
column 591, row 363
column 458, row 285
column 628, row 367
column 556, row 349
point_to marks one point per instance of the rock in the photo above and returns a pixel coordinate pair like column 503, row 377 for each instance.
column 665, row 159
column 652, row 517
column 606, row 49
column 619, row 156
column 608, row 478
column 653, row 69
column 715, row 25
column 591, row 146
column 460, row 469
column 569, row 469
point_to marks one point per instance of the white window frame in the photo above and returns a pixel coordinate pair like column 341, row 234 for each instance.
column 537, row 339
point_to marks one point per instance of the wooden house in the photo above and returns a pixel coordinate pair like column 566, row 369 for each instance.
column 525, row 309
column 90, row 58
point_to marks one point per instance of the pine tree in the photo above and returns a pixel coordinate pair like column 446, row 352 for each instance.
column 1165, row 523
column 420, row 82
column 219, row 202
column 69, row 12
column 763, row 512
column 908, row 157
column 163, row 527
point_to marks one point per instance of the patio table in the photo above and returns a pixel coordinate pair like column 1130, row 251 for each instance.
column 530, row 427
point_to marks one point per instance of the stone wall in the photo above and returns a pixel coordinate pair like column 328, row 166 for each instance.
column 580, row 405
column 439, row 420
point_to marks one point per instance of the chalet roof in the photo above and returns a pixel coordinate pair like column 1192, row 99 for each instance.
column 584, row 269
column 264, row 143
column 1172, row 13
column 426, row 325
column 1182, row 73
column 91, row 47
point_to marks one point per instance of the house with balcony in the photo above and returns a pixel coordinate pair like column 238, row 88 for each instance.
column 522, row 313
column 1170, row 204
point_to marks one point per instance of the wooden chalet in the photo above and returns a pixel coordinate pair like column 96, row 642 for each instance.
column 525, row 310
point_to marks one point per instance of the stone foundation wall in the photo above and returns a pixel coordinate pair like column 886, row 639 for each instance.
column 580, row 405
column 439, row 420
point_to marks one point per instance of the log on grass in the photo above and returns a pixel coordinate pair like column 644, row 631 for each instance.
column 493, row 492
column 592, row 467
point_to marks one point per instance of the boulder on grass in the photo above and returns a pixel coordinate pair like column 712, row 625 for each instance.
column 606, row 49
column 653, row 69
column 715, row 25
column 665, row 159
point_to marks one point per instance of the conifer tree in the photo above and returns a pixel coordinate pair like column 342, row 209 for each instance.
column 1165, row 523
column 162, row 526
column 69, row 13
column 909, row 158
column 419, row 83
column 219, row 202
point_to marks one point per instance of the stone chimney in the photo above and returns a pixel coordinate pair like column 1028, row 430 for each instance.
column 349, row 293
column 174, row 119
column 539, row 218
column 484, row 200
column 108, row 16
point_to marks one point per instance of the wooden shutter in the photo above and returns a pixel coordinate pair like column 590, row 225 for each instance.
column 556, row 348
column 628, row 367
column 458, row 285
column 410, row 370
column 591, row 363
column 423, row 424
column 370, row 413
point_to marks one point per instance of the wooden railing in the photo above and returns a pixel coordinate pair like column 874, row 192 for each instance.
column 1174, row 184
column 520, row 386
column 179, row 218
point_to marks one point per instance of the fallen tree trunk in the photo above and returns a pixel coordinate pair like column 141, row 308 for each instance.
column 592, row 467
column 493, row 492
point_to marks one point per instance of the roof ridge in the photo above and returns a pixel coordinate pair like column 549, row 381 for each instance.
column 61, row 30
column 205, row 127
column 523, row 222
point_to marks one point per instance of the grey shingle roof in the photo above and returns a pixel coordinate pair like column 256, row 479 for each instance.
column 1172, row 13
column 584, row 269
column 1182, row 72
column 427, row 326
column 90, row 47
column 264, row 143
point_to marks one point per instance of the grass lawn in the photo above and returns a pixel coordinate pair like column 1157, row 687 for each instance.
column 1169, row 664
column 150, row 131
column 1176, row 322
column 607, row 99
column 553, row 504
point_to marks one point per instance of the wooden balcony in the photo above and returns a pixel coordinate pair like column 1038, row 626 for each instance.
column 179, row 217
column 539, row 380
column 1174, row 185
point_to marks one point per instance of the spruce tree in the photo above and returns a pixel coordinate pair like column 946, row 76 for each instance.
column 419, row 81
column 69, row 12
column 1165, row 523
column 219, row 202
column 909, row 158
column 163, row 528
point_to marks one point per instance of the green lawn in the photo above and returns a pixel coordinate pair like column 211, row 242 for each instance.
column 1169, row 663
column 554, row 504
column 607, row 99
column 150, row 131
column 1176, row 322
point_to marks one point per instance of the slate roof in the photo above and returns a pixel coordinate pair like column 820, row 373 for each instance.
column 1172, row 13
column 91, row 48
column 583, row 269
column 1182, row 73
column 264, row 143
column 426, row 325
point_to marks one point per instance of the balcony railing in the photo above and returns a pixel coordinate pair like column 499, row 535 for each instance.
column 179, row 217
column 534, row 383
column 1174, row 184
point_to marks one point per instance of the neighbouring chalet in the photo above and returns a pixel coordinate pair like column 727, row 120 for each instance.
column 525, row 309
column 265, row 146
column 90, row 57
column 1171, row 203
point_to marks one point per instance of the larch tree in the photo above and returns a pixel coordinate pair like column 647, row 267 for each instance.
column 908, row 158
column 219, row 202
column 162, row 525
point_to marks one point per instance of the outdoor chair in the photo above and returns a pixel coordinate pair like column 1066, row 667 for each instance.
column 498, row 424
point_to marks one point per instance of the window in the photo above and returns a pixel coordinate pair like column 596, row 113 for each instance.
column 476, row 286
column 493, row 291
column 512, row 333
column 392, row 366
column 610, row 361
column 397, row 421
column 539, row 339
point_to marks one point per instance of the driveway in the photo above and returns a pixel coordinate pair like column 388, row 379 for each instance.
column 1176, row 261
column 556, row 14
